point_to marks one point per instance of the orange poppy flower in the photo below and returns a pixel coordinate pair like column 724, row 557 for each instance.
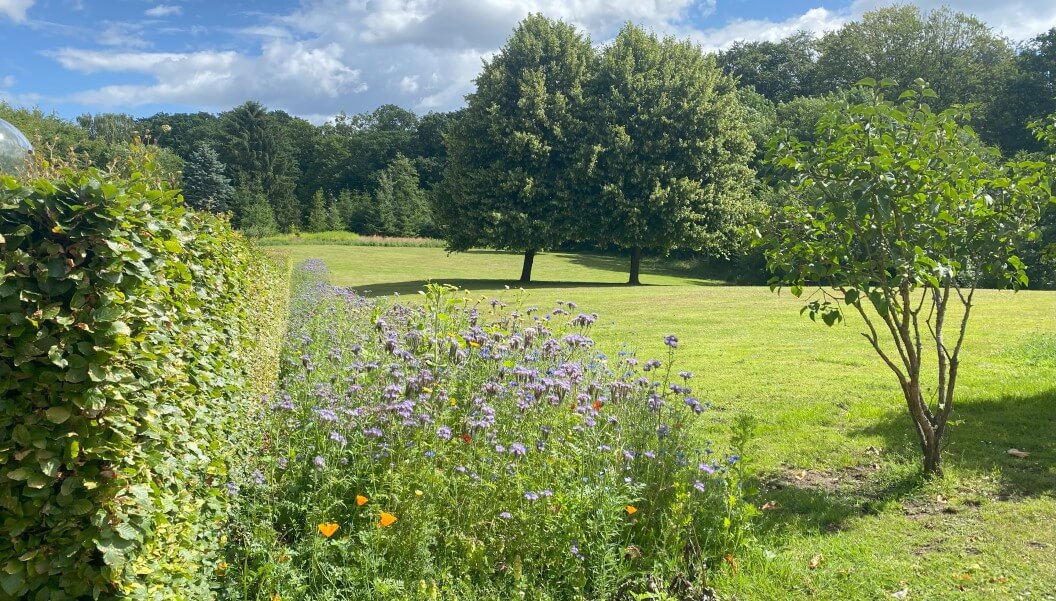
column 361, row 500
column 631, row 510
column 387, row 519
column 328, row 528
column 466, row 438
column 597, row 405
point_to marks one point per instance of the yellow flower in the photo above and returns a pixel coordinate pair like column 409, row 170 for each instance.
column 361, row 500
column 387, row 519
column 221, row 568
column 426, row 389
column 275, row 597
column 418, row 493
column 328, row 528
column 631, row 510
column 474, row 343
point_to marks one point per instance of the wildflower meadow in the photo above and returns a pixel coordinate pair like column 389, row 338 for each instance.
column 476, row 449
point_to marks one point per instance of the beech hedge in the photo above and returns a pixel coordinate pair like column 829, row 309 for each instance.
column 135, row 336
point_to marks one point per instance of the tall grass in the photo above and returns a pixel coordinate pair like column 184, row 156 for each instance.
column 347, row 239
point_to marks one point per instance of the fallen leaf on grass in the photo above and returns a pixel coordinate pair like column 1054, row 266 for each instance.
column 816, row 561
column 1018, row 454
column 800, row 474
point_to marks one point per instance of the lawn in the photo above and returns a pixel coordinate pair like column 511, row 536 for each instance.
column 834, row 449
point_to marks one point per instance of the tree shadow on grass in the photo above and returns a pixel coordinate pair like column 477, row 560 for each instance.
column 981, row 433
column 650, row 266
column 483, row 285
column 814, row 501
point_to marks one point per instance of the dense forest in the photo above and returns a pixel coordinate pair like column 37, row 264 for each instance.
column 382, row 172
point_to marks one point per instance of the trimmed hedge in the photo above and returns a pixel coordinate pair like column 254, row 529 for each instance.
column 135, row 334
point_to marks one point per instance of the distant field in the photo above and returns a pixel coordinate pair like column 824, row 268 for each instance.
column 834, row 444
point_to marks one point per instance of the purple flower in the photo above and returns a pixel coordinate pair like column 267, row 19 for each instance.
column 506, row 515
column 531, row 496
column 319, row 461
column 232, row 489
column 699, row 486
column 444, row 432
column 649, row 455
column 663, row 431
column 258, row 477
column 518, row 450
column 338, row 438
column 671, row 340
column 707, row 469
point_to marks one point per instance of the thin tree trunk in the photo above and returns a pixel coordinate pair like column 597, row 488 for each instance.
column 526, row 268
column 636, row 266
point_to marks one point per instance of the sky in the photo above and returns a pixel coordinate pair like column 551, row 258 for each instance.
column 316, row 58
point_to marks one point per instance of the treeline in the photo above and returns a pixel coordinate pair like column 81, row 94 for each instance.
column 369, row 173
column 645, row 144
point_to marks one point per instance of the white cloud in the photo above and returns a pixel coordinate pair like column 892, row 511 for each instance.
column 1016, row 19
column 818, row 20
column 163, row 10
column 7, row 81
column 15, row 9
column 352, row 55
column 409, row 84
column 294, row 76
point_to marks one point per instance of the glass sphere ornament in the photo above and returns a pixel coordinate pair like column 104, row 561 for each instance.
column 14, row 147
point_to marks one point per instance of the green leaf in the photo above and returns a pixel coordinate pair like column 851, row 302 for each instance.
column 57, row 415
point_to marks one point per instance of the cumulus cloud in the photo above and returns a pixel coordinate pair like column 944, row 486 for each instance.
column 15, row 9
column 352, row 55
column 293, row 75
column 163, row 10
column 817, row 20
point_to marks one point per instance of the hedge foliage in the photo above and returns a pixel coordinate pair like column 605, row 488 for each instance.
column 134, row 335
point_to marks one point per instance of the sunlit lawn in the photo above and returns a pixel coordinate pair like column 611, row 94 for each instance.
column 834, row 446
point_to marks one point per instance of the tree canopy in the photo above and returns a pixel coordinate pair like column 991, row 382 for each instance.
column 903, row 212
column 509, row 181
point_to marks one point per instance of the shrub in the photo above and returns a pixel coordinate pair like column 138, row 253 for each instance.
column 130, row 329
column 512, row 454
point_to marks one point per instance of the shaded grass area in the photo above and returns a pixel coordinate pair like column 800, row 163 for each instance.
column 834, row 443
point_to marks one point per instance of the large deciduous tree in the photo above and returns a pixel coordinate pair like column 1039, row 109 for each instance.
column 902, row 212
column 669, row 149
column 510, row 179
column 780, row 70
column 957, row 54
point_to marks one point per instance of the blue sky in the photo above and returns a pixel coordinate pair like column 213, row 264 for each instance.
column 315, row 58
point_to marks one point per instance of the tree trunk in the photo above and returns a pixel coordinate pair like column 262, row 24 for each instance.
column 933, row 459
column 636, row 266
column 526, row 269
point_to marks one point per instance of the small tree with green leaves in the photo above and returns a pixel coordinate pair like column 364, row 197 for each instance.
column 401, row 204
column 205, row 187
column 318, row 219
column 902, row 211
column 256, row 218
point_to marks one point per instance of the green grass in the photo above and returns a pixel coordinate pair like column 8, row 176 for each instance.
column 834, row 445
